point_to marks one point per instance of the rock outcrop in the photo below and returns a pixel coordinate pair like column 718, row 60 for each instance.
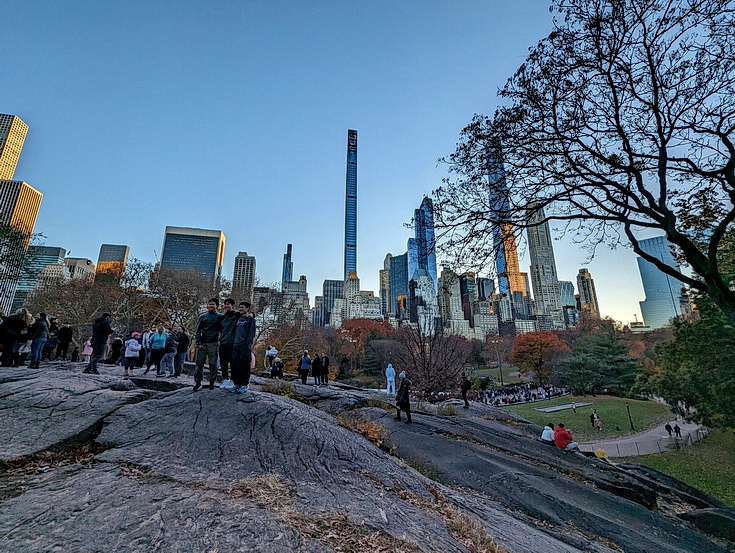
column 181, row 471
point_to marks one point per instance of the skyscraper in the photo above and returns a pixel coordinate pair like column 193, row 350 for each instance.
column 351, row 206
column 40, row 265
column 12, row 136
column 79, row 268
column 664, row 297
column 587, row 295
column 243, row 277
column 194, row 249
column 331, row 290
column 287, row 272
column 385, row 286
column 423, row 222
column 398, row 283
column 543, row 273
column 111, row 262
column 566, row 289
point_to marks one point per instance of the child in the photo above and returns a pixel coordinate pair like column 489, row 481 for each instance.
column 132, row 347
column 87, row 351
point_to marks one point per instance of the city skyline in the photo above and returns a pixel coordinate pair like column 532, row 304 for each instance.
column 400, row 93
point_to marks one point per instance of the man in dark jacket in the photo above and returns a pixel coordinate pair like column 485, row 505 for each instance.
column 101, row 329
column 325, row 369
column 206, row 337
column 182, row 348
column 10, row 330
column 227, row 337
column 242, row 348
column 65, row 337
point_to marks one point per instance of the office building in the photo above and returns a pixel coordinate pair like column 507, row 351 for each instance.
column 295, row 301
column 425, row 240
column 398, row 280
column 350, row 261
column 13, row 133
column 424, row 309
column 287, row 271
column 544, row 278
column 78, row 268
column 385, row 286
column 665, row 296
column 243, row 277
column 194, row 250
column 41, row 266
column 111, row 263
column 566, row 290
column 331, row 290
column 587, row 295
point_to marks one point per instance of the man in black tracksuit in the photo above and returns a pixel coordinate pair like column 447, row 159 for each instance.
column 101, row 329
column 207, row 341
column 242, row 348
column 227, row 337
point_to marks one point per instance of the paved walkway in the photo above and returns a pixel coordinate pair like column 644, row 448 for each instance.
column 652, row 441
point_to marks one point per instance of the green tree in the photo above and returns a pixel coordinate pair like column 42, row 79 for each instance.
column 621, row 120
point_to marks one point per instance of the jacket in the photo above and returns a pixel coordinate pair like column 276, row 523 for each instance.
column 66, row 334
column 227, row 324
column 316, row 366
column 101, row 329
column 208, row 328
column 403, row 397
column 304, row 363
column 244, row 332
column 39, row 329
column 158, row 341
column 183, row 344
column 562, row 437
column 548, row 434
column 132, row 347
column 390, row 372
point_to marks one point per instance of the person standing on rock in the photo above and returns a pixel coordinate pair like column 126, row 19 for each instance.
column 206, row 337
column 182, row 347
column 132, row 349
column 39, row 336
column 324, row 358
column 403, row 398
column 65, row 338
column 271, row 355
column 465, row 385
column 304, row 366
column 242, row 349
column 101, row 330
column 390, row 380
column 157, row 342
column 316, row 370
column 277, row 368
column 227, row 338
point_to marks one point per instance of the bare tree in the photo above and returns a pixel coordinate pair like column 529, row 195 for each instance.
column 620, row 121
column 179, row 296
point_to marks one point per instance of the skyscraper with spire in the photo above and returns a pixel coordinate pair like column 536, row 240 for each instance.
column 350, row 264
column 287, row 273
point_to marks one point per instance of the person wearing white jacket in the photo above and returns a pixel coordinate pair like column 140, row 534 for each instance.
column 132, row 349
column 390, row 377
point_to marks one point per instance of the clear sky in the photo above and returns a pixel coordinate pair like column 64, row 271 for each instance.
column 233, row 115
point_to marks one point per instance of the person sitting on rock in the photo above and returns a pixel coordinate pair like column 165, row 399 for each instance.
column 403, row 399
column 547, row 436
column 564, row 440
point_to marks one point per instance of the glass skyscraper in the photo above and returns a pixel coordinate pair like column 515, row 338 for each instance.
column 194, row 249
column 663, row 292
column 351, row 205
column 398, row 282
column 543, row 273
column 423, row 221
column 111, row 262
column 41, row 265
column 287, row 273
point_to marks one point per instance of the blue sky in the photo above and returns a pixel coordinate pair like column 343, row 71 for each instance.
column 233, row 115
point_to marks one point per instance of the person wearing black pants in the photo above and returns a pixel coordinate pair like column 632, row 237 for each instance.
column 242, row 348
column 403, row 399
column 304, row 366
column 227, row 338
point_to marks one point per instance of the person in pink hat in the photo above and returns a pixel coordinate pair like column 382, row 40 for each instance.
column 132, row 349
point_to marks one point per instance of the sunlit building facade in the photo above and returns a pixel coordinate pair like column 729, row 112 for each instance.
column 194, row 249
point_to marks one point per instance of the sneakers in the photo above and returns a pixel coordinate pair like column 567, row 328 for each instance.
column 242, row 389
column 227, row 384
column 197, row 386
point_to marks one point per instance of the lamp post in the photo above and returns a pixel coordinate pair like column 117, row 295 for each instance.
column 500, row 365
column 630, row 419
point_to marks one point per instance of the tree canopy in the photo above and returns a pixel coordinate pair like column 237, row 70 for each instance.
column 620, row 121
column 537, row 353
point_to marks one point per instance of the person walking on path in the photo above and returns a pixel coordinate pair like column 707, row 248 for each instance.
column 206, row 338
column 101, row 329
column 132, row 349
column 403, row 398
column 242, row 349
column 574, row 407
column 668, row 429
column 227, row 337
column 390, row 379
column 677, row 431
column 464, row 386
column 304, row 366
column 325, row 368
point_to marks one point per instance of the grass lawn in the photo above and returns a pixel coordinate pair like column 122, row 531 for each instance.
column 612, row 411
column 707, row 465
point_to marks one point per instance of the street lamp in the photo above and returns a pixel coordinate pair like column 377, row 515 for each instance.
column 500, row 365
column 630, row 419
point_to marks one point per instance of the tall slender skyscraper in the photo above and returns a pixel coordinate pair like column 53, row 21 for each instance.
column 287, row 272
column 12, row 136
column 664, row 297
column 423, row 221
column 243, row 277
column 194, row 249
column 351, row 205
column 543, row 273
column 587, row 295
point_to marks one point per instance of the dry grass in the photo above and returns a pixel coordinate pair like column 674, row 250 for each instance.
column 372, row 430
column 269, row 491
column 448, row 410
column 278, row 388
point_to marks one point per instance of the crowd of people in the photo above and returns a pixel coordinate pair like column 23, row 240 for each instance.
column 519, row 393
column 25, row 338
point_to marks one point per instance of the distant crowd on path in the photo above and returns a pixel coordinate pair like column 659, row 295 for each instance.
column 519, row 393
column 24, row 337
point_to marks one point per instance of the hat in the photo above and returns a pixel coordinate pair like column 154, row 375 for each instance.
column 135, row 335
column 402, row 375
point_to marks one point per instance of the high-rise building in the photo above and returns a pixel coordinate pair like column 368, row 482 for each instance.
column 485, row 288
column 331, row 290
column 423, row 305
column 543, row 273
column 587, row 295
column 12, row 136
column 287, row 272
column 351, row 205
column 385, row 286
column 398, row 283
column 41, row 265
column 664, row 294
column 468, row 289
column 566, row 290
column 423, row 222
column 79, row 268
column 194, row 249
column 19, row 206
column 111, row 262
column 243, row 277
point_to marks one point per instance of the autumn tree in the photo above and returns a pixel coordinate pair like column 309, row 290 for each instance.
column 178, row 297
column 356, row 334
column 537, row 353
column 620, row 121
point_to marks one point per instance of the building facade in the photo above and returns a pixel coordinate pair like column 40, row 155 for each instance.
column 79, row 268
column 544, row 278
column 111, row 262
column 587, row 294
column 194, row 249
column 665, row 297
column 398, row 279
column 13, row 133
column 243, row 277
column 287, row 271
column 350, row 261
column 425, row 240
column 41, row 265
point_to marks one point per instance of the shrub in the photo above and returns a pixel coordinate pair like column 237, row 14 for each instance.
column 372, row 430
